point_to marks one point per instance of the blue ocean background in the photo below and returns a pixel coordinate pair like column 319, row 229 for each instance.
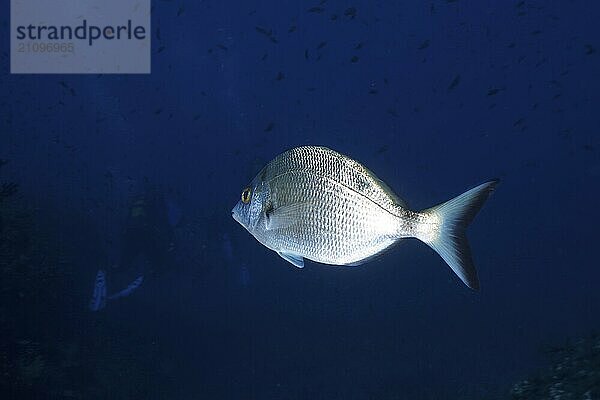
column 435, row 97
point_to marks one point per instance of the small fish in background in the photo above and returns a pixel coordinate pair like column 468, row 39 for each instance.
column 454, row 83
column 266, row 32
column 269, row 127
column 315, row 203
column 263, row 31
column 350, row 12
column 373, row 88
column 589, row 49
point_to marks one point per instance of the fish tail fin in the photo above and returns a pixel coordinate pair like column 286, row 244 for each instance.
column 448, row 235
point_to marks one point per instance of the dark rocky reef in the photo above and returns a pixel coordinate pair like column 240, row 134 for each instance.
column 573, row 374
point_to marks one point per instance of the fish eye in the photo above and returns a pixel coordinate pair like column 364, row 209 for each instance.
column 246, row 195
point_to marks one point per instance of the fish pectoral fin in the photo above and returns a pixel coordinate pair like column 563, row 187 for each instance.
column 297, row 260
column 285, row 216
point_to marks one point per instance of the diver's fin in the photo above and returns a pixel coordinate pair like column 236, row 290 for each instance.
column 450, row 241
column 284, row 216
column 298, row 261
column 130, row 288
column 98, row 301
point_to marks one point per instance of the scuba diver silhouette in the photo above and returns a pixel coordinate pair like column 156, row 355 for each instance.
column 147, row 247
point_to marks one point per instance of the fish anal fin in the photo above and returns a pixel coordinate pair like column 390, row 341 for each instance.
column 294, row 259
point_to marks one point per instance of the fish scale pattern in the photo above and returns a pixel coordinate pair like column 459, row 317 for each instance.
column 343, row 212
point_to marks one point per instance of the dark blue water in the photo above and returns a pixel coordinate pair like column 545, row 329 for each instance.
column 434, row 97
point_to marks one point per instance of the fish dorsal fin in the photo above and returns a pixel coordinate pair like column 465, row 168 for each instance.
column 297, row 260
column 285, row 216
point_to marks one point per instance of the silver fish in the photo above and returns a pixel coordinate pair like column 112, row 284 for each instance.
column 314, row 203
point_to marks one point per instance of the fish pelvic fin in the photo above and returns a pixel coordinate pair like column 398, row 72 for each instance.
column 444, row 230
column 294, row 259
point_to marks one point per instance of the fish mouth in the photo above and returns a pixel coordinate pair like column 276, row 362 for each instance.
column 234, row 215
